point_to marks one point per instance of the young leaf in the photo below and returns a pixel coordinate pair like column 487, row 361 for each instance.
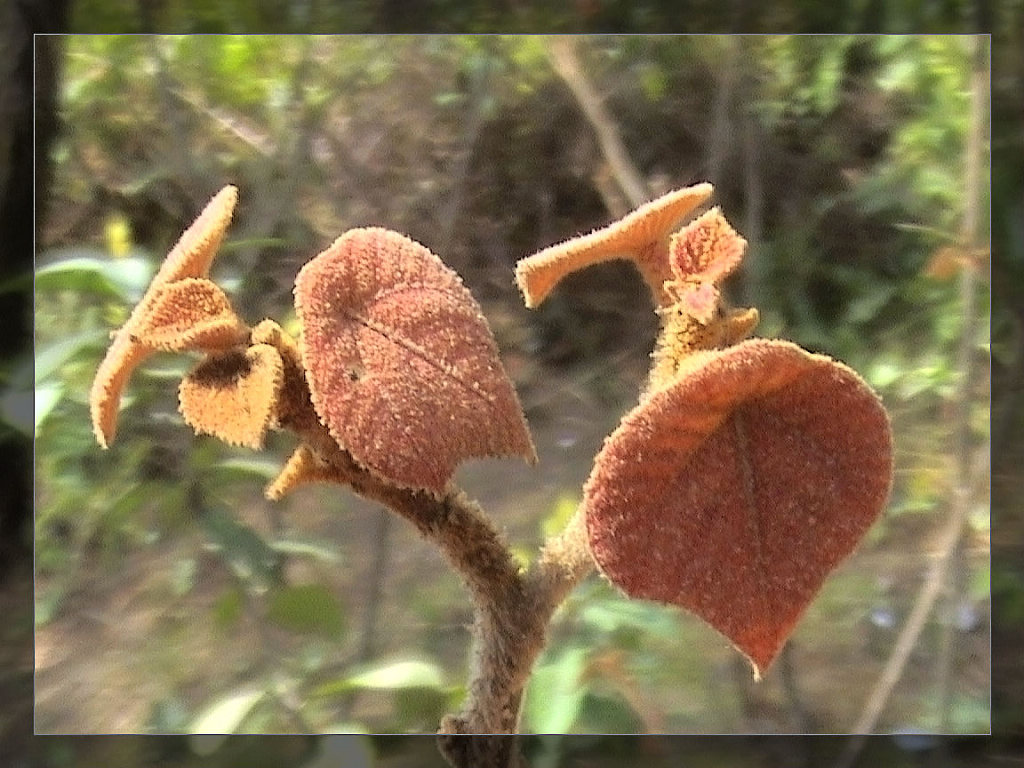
column 641, row 236
column 193, row 313
column 190, row 257
column 736, row 490
column 707, row 249
column 402, row 366
column 231, row 395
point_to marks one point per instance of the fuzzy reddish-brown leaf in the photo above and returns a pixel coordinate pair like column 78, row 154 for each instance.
column 401, row 364
column 707, row 249
column 736, row 490
column 232, row 395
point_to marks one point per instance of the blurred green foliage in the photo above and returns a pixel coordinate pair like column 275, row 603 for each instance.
column 473, row 146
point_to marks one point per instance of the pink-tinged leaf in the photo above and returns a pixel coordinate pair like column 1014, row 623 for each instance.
column 402, row 367
column 736, row 490
column 707, row 248
column 700, row 301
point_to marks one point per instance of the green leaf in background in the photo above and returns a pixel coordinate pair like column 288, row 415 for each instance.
column 884, row 371
column 250, row 557
column 559, row 516
column 307, row 608
column 89, row 270
column 246, row 468
column 554, row 698
column 615, row 614
column 167, row 715
column 227, row 610
column 324, row 551
column 226, row 714
column 395, row 675
column 47, row 605
column 399, row 674
column 867, row 305
column 979, row 586
column 603, row 713
column 50, row 358
column 183, row 576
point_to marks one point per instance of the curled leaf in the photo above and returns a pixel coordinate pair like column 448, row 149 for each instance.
column 401, row 364
column 190, row 257
column 122, row 358
column 193, row 254
column 231, row 395
column 193, row 313
column 737, row 489
column 294, row 409
column 641, row 236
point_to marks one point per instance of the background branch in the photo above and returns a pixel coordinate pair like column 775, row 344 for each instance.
column 562, row 52
column 911, row 632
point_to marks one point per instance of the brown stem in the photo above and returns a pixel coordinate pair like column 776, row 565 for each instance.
column 511, row 609
column 508, row 636
column 564, row 561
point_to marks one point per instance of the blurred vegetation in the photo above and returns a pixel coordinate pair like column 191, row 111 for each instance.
column 587, row 16
column 841, row 159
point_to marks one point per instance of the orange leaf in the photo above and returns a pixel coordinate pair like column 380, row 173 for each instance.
column 232, row 395
column 737, row 489
column 190, row 257
column 402, row 366
column 192, row 313
column 302, row 466
column 641, row 236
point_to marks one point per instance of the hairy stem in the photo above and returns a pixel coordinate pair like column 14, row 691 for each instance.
column 511, row 609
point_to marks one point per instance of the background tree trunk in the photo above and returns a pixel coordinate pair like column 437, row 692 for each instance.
column 22, row 164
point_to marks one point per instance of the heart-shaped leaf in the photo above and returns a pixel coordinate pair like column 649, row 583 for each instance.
column 232, row 395
column 736, row 490
column 401, row 364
